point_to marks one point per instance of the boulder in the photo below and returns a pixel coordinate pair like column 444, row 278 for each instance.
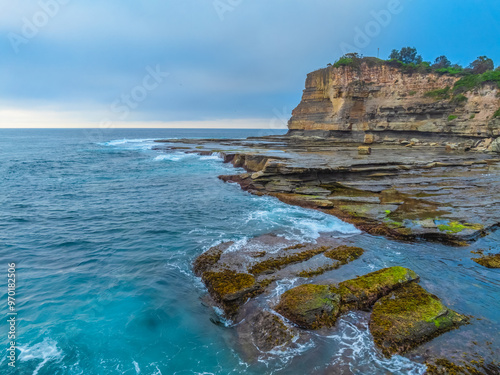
column 495, row 145
column 230, row 289
column 409, row 317
column 369, row 139
column 362, row 292
column 310, row 306
column 364, row 150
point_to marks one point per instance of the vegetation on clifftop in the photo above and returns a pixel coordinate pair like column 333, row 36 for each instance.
column 480, row 71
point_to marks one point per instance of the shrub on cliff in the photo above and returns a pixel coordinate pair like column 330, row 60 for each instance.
column 474, row 81
column 459, row 99
column 451, row 70
column 439, row 94
column 355, row 60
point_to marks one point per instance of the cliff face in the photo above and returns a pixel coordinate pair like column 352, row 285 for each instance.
column 383, row 101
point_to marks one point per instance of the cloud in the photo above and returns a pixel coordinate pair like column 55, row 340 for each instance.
column 253, row 61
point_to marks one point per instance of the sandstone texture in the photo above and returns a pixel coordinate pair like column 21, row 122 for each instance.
column 379, row 102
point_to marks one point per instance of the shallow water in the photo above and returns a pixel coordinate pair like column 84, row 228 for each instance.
column 103, row 231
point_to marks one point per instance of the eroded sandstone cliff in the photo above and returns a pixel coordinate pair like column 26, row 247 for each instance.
column 384, row 102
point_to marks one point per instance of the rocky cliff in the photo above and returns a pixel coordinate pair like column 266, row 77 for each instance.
column 383, row 102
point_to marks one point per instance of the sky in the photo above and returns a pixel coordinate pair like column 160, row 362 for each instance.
column 207, row 63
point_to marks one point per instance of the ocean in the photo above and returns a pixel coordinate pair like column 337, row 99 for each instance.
column 103, row 231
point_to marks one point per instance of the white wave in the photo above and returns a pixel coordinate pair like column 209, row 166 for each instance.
column 287, row 353
column 45, row 351
column 299, row 224
column 355, row 345
column 281, row 287
column 173, row 157
column 137, row 368
column 131, row 144
column 222, row 317
column 238, row 244
column 214, row 156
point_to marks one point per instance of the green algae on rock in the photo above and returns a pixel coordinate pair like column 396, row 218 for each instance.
column 409, row 317
column 344, row 254
column 207, row 260
column 457, row 227
column 230, row 288
column 274, row 264
column 442, row 366
column 362, row 292
column 490, row 261
column 310, row 306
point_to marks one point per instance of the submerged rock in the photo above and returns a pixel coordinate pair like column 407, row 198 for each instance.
column 263, row 332
column 362, row 292
column 409, row 317
column 310, row 306
column 490, row 261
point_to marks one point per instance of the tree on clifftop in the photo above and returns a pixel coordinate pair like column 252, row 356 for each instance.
column 441, row 62
column 407, row 55
column 482, row 65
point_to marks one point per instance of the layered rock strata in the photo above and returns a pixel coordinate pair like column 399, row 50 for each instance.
column 382, row 103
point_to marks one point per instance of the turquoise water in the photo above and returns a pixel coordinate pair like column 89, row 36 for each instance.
column 104, row 229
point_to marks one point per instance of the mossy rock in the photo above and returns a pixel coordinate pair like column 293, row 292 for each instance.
column 310, row 306
column 274, row 264
column 409, row 317
column 344, row 254
column 362, row 292
column 442, row 366
column 207, row 260
column 231, row 289
column 490, row 261
column 457, row 227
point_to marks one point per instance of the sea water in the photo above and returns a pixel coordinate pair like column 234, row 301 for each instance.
column 103, row 230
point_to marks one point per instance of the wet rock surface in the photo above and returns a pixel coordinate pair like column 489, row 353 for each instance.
column 408, row 317
column 362, row 292
column 310, row 306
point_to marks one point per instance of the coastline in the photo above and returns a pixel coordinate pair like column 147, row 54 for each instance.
column 290, row 172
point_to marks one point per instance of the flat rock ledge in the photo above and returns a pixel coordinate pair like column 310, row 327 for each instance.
column 431, row 192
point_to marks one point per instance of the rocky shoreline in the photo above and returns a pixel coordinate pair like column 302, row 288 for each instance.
column 411, row 157
column 416, row 193
column 404, row 193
